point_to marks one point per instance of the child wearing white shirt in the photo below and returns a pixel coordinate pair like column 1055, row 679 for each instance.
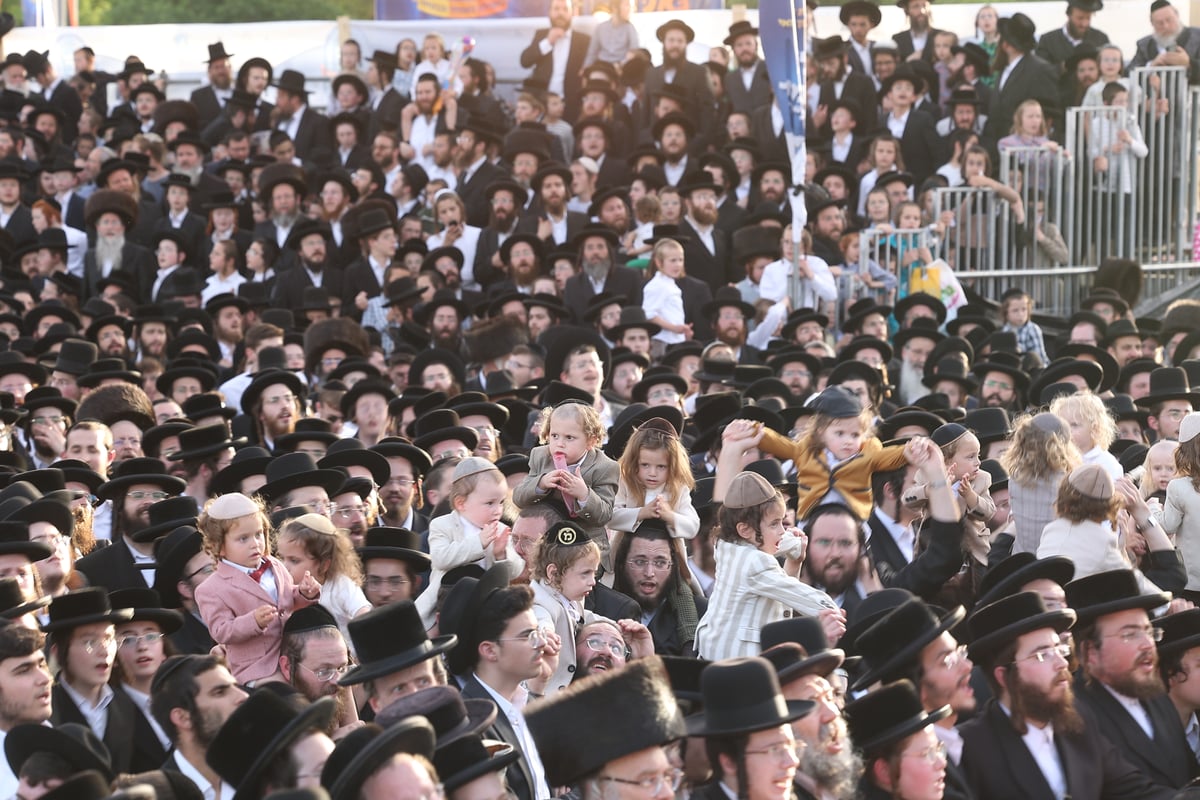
column 662, row 299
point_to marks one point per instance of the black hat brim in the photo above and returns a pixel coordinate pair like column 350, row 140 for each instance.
column 401, row 738
column 117, row 486
column 414, row 557
column 374, row 670
column 697, row 724
column 318, row 715
column 1146, row 602
column 113, row 617
column 496, row 762
column 1060, row 620
column 909, row 651
column 903, row 730
column 328, row 479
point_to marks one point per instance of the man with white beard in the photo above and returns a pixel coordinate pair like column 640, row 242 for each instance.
column 1171, row 45
column 189, row 149
column 596, row 245
column 112, row 213
column 914, row 345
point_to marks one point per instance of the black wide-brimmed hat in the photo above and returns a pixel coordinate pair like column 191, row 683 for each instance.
column 1019, row 31
column 293, row 470
column 861, row 8
column 893, row 644
column 270, row 377
column 1007, row 363
column 1091, row 373
column 995, row 625
column 395, row 543
column 171, row 554
column 351, row 452
column 461, row 611
column 741, row 696
column 1181, row 632
column 1088, row 352
column 1019, row 569
column 167, row 515
column 1103, row 593
column 368, row 748
column 75, row 743
column 605, row 701
column 146, row 606
column 390, row 639
column 807, row 632
column 399, row 447
column 727, row 296
column 205, row 441
column 13, row 604
column 791, row 661
column 256, row 732
column 1169, row 383
column 133, row 471
column 451, row 715
column 950, row 368
column 470, row 757
column 440, row 425
column 83, row 607
column 14, row 538
column 246, row 462
column 888, row 715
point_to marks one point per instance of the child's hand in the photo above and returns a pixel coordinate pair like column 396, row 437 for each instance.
column 968, row 493
column 833, row 620
column 1100, row 164
column 743, row 434
column 547, row 483
column 572, row 483
column 264, row 614
column 648, row 511
column 663, row 510
column 487, row 535
column 500, row 545
column 309, row 588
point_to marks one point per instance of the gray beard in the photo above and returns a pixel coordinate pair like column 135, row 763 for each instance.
column 193, row 174
column 109, row 249
column 597, row 270
column 1165, row 43
column 911, row 386
column 837, row 774
column 285, row 221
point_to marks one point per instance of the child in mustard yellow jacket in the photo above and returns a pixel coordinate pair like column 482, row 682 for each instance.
column 837, row 455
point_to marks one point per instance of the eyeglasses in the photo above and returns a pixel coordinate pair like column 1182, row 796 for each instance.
column 778, row 752
column 461, row 452
column 651, row 784
column 108, row 644
column 1041, row 656
column 932, row 754
column 317, row 453
column 403, row 483
column 140, row 495
column 317, row 507
column 330, row 362
column 598, row 645
column 663, row 394
column 134, row 441
column 955, row 657
column 55, row 420
column 1001, row 385
column 346, row 512
column 795, row 373
column 486, row 430
column 640, row 563
column 129, row 642
column 535, row 638
column 391, row 581
column 1131, row 635
column 206, row 570
column 279, row 399
column 326, row 674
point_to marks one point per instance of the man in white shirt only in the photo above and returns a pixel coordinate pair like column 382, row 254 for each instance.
column 25, row 695
column 191, row 698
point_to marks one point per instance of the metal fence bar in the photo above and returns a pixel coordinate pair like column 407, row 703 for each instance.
column 1161, row 111
column 894, row 251
column 1040, row 176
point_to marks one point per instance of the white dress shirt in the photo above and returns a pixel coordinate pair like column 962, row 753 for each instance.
column 1135, row 709
column 517, row 719
column 96, row 715
column 223, row 791
column 1040, row 742
column 142, row 701
column 267, row 581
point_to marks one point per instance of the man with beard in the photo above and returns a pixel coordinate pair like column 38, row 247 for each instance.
column 1022, row 74
column 502, row 197
column 553, row 223
column 442, row 317
column 651, row 568
column 25, row 693
column 1171, row 45
column 706, row 248
column 556, row 57
column 137, row 484
column 543, row 311
column 190, row 698
column 771, row 179
column 281, row 187
column 210, row 99
column 749, row 86
column 675, row 36
column 309, row 244
column 1002, row 382
column 1057, row 46
column 1178, row 657
column 839, row 83
column 419, row 123
column 829, row 766
column 1030, row 741
column 1120, row 693
column 392, row 565
column 612, row 208
column 54, row 92
column 917, row 41
column 312, row 656
column 451, row 212
column 401, row 495
column 18, row 219
column 729, row 313
column 522, row 255
column 307, row 128
column 827, row 222
column 273, row 401
column 387, row 104
column 227, row 312
column 915, row 343
column 599, row 271
column 595, row 140
column 476, row 170
column 190, row 150
column 912, row 642
column 673, row 134
column 112, row 213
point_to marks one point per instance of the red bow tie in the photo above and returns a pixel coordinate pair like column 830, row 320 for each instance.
column 256, row 574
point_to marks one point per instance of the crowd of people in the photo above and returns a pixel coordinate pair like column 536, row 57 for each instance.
column 438, row 447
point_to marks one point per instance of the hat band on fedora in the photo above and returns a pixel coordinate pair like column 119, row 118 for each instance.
column 763, row 714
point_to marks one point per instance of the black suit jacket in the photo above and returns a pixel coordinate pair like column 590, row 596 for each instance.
column 612, row 604
column 20, row 225
column 770, row 146
column 920, row 144
column 197, row 242
column 904, row 43
column 543, row 67
column 290, row 286
column 118, row 732
column 193, row 637
column 1166, row 760
column 859, row 88
column 743, row 101
column 313, row 133
column 664, row 629
column 148, row 752
column 358, row 277
column 1055, row 48
column 693, row 79
column 1031, row 79
column 696, row 293
column 112, row 567
column 66, row 100
column 73, row 213
column 614, row 171
column 387, row 115
column 998, row 765
column 528, row 223
column 518, row 774
column 473, row 193
column 621, row 280
column 1188, row 40
column 715, row 268
column 926, row 574
column 208, row 107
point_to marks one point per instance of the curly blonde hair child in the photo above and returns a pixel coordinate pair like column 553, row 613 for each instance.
column 654, row 439
column 213, row 531
column 1092, row 426
column 328, row 546
column 586, row 416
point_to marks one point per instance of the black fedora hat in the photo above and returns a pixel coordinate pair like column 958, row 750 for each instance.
column 207, row 404
column 75, row 471
column 270, row 377
column 308, row 429
column 451, row 715
column 246, row 462
column 205, row 442
column 888, row 715
column 75, row 743
column 861, row 8
column 891, row 645
column 167, row 515
column 351, row 452
column 1111, row 369
column 1006, row 363
column 632, row 417
column 727, row 296
column 400, row 544
column 133, row 471
column 13, row 363
column 83, row 607
column 1091, row 373
column 14, row 538
column 13, row 604
column 256, row 732
column 860, row 310
column 675, row 24
column 399, row 447
column 440, row 425
column 293, row 470
column 1102, row 593
column 171, row 554
column 604, row 701
column 994, row 625
column 1019, row 31
column 87, row 785
column 1122, row 408
column 953, row 369
column 461, row 611
column 741, row 696
column 75, row 357
column 291, row 81
column 368, row 748
column 1181, row 632
column 792, row 661
column 808, row 633
column 1168, row 383
column 656, row 376
column 390, row 639
column 470, row 757
column 1019, row 569
column 873, row 608
column 146, row 606
column 742, row 27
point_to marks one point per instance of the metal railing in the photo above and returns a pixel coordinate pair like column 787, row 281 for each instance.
column 897, row 252
column 1041, row 177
